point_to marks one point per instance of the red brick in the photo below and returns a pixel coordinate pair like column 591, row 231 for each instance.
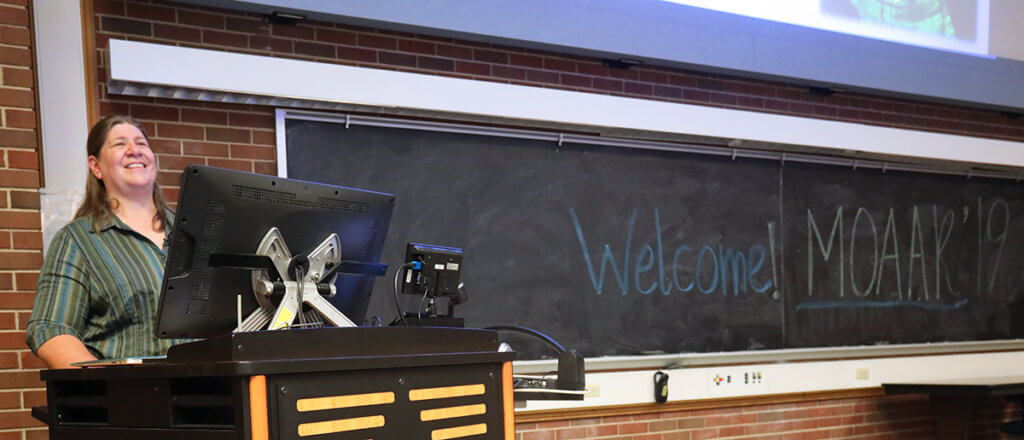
column 150, row 12
column 241, row 165
column 203, row 116
column 300, row 31
column 201, row 19
column 508, row 72
column 24, row 160
column 27, row 239
column 262, row 137
column 36, row 434
column 357, row 54
column 168, row 178
column 20, row 118
column 416, row 46
column 108, row 7
column 571, row 80
column 247, row 25
column 335, row 36
column 152, row 112
column 271, row 44
column 543, row 76
column 178, row 163
column 10, row 399
column 17, row 138
column 6, row 282
column 377, row 41
column 632, row 428
column 219, row 134
column 435, row 64
column 171, row 195
column 639, row 88
column 560, row 64
column 268, row 168
column 652, row 76
column 12, row 340
column 179, row 131
column 591, row 69
column 8, row 320
column 17, row 301
column 523, row 60
column 252, row 152
column 126, row 26
column 258, row 120
column 230, row 39
column 18, row 179
column 15, row 16
column 5, row 240
column 18, row 78
column 704, row 433
column 177, row 33
column 397, row 59
column 472, row 68
column 15, row 36
column 20, row 260
column 314, row 49
column 13, row 435
column 165, row 146
column 204, row 149
column 18, row 419
column 696, row 95
column 34, row 398
column 608, row 84
column 490, row 56
column 30, row 361
column 538, row 435
column 26, row 281
column 15, row 97
column 20, row 379
column 447, row 50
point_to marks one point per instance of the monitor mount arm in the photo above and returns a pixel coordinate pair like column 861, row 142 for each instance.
column 304, row 280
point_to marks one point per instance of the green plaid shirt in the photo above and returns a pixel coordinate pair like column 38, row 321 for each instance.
column 102, row 288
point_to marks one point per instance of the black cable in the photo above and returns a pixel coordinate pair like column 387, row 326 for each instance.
column 530, row 332
column 398, row 306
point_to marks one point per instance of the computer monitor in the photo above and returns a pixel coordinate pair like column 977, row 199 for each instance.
column 229, row 212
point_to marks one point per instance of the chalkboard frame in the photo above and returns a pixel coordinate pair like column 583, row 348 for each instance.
column 661, row 360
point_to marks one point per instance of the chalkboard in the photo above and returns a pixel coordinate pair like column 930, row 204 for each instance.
column 621, row 251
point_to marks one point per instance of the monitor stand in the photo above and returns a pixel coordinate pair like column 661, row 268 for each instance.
column 306, row 281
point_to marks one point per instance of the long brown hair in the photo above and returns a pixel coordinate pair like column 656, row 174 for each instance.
column 97, row 204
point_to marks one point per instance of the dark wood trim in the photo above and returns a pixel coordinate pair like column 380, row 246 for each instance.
column 35, row 87
column 690, row 405
column 92, row 104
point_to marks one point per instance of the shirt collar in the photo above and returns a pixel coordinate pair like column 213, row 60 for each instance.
column 114, row 222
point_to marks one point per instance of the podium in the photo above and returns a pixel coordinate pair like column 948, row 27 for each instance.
column 394, row 383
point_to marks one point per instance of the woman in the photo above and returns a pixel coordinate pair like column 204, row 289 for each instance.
column 98, row 287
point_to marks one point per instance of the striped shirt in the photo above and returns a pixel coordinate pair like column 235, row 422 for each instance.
column 101, row 287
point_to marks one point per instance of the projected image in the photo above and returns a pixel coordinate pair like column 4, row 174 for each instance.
column 939, row 17
column 954, row 25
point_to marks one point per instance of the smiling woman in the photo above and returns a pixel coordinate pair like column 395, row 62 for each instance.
column 97, row 292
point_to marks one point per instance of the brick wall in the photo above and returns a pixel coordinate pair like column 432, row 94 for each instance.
column 20, row 235
column 242, row 137
column 904, row 417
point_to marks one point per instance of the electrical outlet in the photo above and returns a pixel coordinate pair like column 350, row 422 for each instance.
column 863, row 373
column 737, row 381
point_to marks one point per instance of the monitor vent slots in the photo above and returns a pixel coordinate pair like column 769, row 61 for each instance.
column 289, row 198
column 346, row 424
column 81, row 402
column 213, row 230
column 452, row 411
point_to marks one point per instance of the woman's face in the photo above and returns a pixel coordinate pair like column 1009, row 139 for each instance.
column 125, row 164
